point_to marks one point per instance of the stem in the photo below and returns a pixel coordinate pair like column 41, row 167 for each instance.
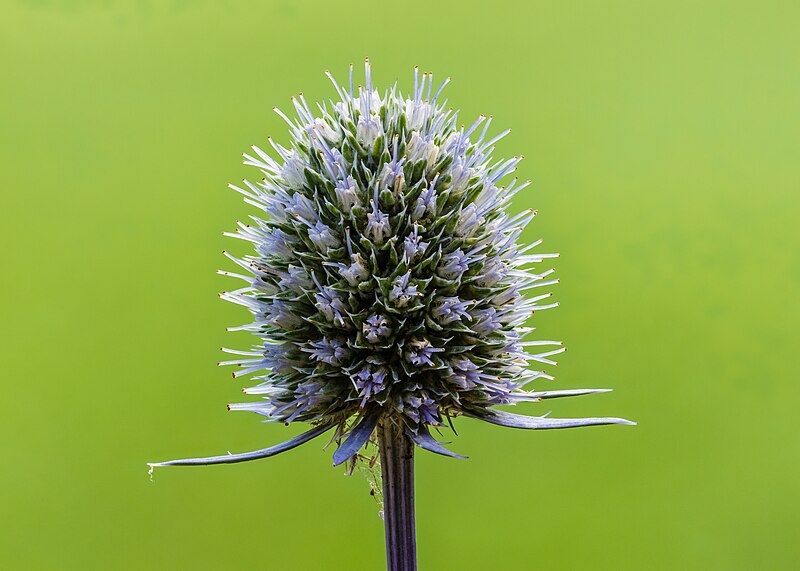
column 397, row 470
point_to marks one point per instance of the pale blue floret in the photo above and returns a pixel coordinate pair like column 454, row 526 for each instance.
column 378, row 228
column 276, row 243
column 282, row 316
column 323, row 237
column 426, row 203
column 296, row 279
column 494, row 271
column 454, row 265
column 368, row 130
column 330, row 305
column 420, row 351
column 465, row 373
column 376, row 328
column 402, row 292
column 331, row 351
column 300, row 206
column 422, row 409
column 413, row 246
column 449, row 309
column 392, row 176
column 347, row 193
column 292, row 171
column 354, row 273
column 369, row 381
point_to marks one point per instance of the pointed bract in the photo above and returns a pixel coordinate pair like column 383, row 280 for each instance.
column 422, row 438
column 357, row 438
column 254, row 455
column 512, row 420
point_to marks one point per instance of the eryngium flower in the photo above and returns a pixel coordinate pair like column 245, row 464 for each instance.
column 387, row 277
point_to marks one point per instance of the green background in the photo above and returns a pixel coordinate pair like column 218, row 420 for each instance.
column 663, row 141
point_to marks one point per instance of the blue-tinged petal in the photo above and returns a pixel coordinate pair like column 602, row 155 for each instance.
column 424, row 440
column 254, row 455
column 512, row 420
column 357, row 438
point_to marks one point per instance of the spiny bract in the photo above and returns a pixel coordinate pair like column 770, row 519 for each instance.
column 387, row 278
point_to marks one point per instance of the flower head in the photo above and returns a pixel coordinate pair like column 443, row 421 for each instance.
column 387, row 277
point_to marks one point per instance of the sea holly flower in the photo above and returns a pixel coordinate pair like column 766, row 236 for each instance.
column 388, row 286
column 368, row 184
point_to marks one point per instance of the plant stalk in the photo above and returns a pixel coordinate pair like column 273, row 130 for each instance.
column 397, row 473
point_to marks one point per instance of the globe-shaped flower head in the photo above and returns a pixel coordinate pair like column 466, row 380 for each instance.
column 387, row 278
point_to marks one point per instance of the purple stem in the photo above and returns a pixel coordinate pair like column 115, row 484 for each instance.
column 397, row 472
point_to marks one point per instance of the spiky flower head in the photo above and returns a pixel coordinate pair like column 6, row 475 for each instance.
column 387, row 277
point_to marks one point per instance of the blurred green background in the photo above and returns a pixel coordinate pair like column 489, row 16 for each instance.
column 663, row 142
